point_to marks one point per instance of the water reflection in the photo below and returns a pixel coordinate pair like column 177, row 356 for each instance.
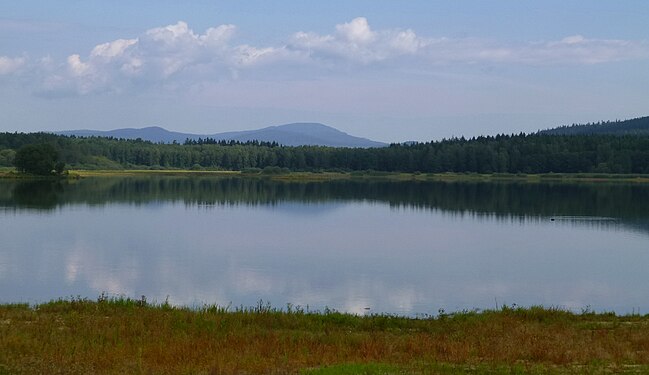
column 402, row 247
column 587, row 204
column 508, row 198
column 37, row 194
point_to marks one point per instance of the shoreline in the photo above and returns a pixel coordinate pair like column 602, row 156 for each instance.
column 356, row 175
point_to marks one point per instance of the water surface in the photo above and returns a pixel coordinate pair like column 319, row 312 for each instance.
column 391, row 247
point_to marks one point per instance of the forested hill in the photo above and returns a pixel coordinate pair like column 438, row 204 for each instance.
column 296, row 134
column 634, row 126
column 536, row 153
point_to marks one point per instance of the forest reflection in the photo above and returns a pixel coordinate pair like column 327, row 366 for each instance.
column 592, row 203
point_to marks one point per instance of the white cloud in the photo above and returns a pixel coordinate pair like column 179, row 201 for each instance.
column 357, row 31
column 10, row 65
column 158, row 55
column 175, row 53
column 112, row 49
column 76, row 67
column 357, row 42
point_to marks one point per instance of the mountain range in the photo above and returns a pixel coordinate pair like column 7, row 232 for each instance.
column 295, row 134
column 302, row 134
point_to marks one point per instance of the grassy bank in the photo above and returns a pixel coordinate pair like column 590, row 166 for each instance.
column 129, row 336
column 400, row 176
column 10, row 173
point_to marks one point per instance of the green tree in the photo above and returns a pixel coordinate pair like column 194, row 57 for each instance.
column 7, row 157
column 41, row 159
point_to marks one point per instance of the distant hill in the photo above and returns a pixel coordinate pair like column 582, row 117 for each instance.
column 296, row 134
column 634, row 126
column 152, row 133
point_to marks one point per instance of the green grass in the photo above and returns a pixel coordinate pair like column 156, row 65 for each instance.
column 354, row 368
column 474, row 369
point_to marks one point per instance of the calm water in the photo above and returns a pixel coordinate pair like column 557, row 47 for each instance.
column 396, row 247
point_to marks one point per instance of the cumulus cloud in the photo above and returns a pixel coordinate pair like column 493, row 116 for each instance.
column 357, row 31
column 357, row 42
column 10, row 65
column 157, row 56
column 177, row 53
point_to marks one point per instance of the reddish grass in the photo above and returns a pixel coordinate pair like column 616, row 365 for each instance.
column 126, row 336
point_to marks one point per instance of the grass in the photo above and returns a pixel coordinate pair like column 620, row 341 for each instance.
column 10, row 173
column 354, row 368
column 132, row 336
column 373, row 175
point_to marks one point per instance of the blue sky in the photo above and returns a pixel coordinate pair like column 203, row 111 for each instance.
column 388, row 70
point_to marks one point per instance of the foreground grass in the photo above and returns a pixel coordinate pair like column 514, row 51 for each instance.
column 129, row 336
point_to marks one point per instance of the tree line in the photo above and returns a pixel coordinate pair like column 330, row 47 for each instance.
column 633, row 126
column 516, row 153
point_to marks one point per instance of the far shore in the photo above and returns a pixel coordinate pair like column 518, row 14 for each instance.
column 10, row 173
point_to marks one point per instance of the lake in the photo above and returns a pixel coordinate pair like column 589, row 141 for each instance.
column 398, row 247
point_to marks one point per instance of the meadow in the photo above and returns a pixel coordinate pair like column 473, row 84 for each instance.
column 120, row 335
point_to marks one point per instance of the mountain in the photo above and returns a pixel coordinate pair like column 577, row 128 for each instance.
column 296, row 134
column 152, row 133
column 634, row 126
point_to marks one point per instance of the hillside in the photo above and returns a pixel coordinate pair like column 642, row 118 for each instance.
column 634, row 126
column 296, row 134
column 299, row 134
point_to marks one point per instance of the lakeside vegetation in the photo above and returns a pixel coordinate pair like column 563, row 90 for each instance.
column 133, row 336
column 530, row 154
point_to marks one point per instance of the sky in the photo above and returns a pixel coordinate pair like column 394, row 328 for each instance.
column 388, row 70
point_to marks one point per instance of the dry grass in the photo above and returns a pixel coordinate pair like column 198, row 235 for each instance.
column 128, row 336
